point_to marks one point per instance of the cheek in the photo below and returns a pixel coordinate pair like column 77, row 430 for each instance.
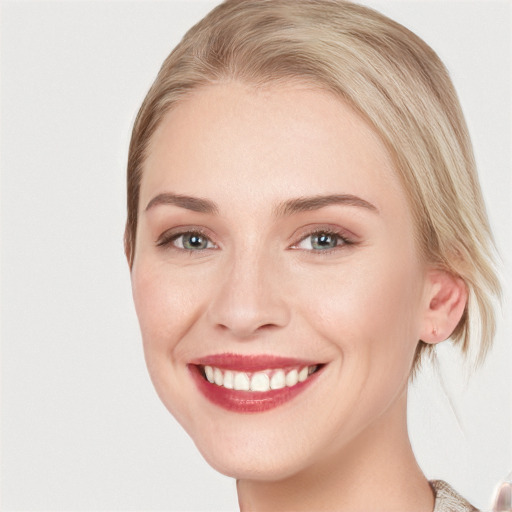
column 368, row 308
column 166, row 303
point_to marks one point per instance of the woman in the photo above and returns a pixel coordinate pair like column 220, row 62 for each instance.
column 304, row 224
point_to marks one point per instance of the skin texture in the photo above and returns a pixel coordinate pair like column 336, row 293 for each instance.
column 262, row 287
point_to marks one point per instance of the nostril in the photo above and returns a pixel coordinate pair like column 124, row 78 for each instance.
column 268, row 327
column 247, row 331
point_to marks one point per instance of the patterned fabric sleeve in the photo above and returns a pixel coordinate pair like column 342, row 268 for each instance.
column 447, row 500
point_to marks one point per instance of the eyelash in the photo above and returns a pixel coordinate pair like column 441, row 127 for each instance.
column 342, row 240
column 167, row 239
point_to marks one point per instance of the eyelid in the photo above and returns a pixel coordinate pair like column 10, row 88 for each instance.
column 348, row 238
column 167, row 237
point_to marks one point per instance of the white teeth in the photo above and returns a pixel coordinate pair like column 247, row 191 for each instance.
column 292, row 378
column 228, row 379
column 241, row 382
column 218, row 377
column 260, row 382
column 303, row 374
column 278, row 380
column 208, row 370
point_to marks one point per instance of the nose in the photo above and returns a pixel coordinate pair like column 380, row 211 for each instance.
column 250, row 299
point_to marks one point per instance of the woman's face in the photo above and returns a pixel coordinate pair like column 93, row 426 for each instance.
column 275, row 251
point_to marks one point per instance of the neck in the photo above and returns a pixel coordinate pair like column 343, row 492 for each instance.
column 377, row 471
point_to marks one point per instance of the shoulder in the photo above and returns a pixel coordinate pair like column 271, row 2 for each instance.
column 448, row 500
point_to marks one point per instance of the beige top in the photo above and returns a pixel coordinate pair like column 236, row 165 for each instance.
column 447, row 500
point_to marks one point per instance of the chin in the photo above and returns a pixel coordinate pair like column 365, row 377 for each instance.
column 255, row 452
column 249, row 465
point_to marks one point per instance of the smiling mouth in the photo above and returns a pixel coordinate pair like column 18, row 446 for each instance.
column 252, row 383
column 260, row 382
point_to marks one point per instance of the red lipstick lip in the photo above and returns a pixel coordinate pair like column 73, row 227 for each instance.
column 251, row 363
column 248, row 401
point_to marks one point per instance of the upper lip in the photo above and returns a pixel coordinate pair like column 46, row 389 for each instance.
column 250, row 363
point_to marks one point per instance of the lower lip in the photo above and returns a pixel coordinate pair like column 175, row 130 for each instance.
column 247, row 401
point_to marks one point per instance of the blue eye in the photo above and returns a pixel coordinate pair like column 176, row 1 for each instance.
column 188, row 241
column 322, row 241
column 192, row 242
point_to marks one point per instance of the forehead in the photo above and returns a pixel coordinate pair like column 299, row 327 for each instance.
column 235, row 143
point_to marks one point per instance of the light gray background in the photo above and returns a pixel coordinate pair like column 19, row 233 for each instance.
column 82, row 428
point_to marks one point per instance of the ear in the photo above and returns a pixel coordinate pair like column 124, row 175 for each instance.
column 446, row 298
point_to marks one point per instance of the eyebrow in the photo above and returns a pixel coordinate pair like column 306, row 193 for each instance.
column 195, row 204
column 286, row 208
column 305, row 204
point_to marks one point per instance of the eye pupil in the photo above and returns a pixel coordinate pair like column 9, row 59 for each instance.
column 194, row 241
column 324, row 241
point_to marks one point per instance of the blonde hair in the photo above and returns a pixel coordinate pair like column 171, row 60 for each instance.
column 392, row 78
